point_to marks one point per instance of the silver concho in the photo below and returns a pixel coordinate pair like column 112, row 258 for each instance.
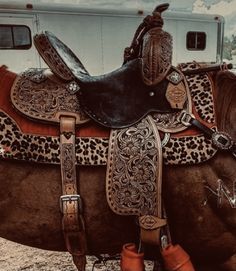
column 38, row 77
column 222, row 140
column 72, row 87
column 174, row 77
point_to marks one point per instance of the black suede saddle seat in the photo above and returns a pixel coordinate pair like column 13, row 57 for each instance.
column 117, row 99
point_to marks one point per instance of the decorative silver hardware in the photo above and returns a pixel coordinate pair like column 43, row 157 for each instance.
column 71, row 198
column 174, row 77
column 151, row 93
column 222, row 141
column 72, row 87
column 185, row 118
column 164, row 241
column 38, row 77
column 165, row 140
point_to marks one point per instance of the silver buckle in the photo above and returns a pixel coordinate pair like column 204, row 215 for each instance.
column 70, row 198
column 185, row 118
column 165, row 140
column 164, row 242
column 222, row 141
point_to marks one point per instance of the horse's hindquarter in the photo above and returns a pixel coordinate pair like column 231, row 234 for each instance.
column 206, row 229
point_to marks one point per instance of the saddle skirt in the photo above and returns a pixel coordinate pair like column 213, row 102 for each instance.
column 40, row 95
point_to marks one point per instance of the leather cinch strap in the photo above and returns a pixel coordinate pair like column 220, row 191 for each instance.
column 221, row 140
column 71, row 205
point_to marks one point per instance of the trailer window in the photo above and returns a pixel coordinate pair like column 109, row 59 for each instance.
column 196, row 40
column 15, row 37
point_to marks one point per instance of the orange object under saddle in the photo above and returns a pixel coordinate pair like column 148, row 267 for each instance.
column 176, row 259
column 131, row 260
column 28, row 126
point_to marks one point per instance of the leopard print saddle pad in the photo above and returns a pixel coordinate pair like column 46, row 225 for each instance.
column 180, row 148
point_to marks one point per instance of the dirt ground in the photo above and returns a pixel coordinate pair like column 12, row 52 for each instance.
column 16, row 257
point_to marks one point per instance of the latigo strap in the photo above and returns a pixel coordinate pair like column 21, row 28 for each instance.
column 71, row 205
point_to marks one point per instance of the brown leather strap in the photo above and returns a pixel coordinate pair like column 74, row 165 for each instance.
column 150, row 225
column 71, row 204
column 150, row 228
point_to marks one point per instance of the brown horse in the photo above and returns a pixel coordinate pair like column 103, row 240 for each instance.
column 200, row 220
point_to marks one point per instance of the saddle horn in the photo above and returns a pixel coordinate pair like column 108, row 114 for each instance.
column 149, row 22
column 162, row 7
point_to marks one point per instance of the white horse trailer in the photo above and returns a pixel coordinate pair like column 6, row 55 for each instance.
column 97, row 36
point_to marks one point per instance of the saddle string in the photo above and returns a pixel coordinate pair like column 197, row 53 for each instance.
column 224, row 67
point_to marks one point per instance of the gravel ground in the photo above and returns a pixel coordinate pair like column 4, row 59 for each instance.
column 16, row 257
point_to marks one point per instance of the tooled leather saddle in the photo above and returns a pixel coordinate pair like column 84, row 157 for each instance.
column 124, row 96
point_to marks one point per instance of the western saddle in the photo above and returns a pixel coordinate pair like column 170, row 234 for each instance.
column 146, row 84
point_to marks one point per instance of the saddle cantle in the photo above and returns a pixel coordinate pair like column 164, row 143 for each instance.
column 117, row 99
column 60, row 59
